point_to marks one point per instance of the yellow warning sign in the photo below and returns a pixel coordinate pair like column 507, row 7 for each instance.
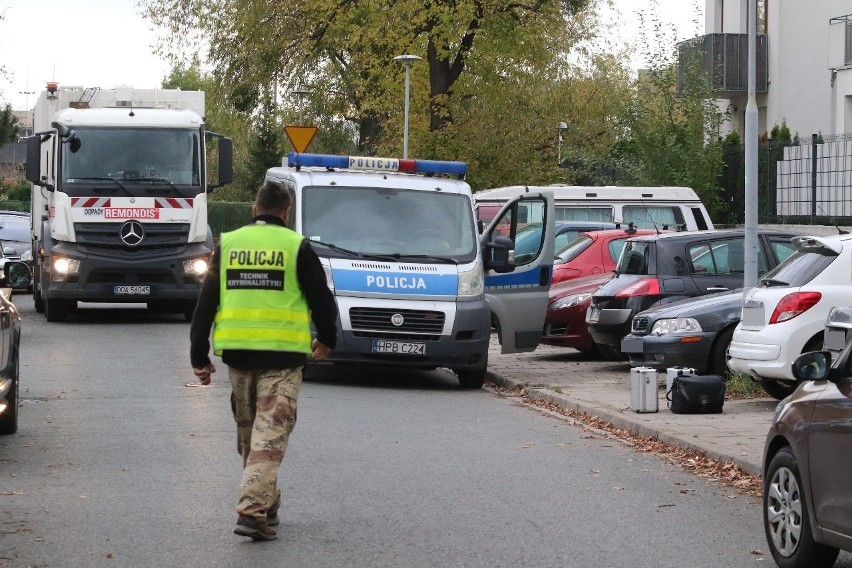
column 300, row 136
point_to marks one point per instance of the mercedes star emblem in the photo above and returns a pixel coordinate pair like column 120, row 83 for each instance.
column 131, row 233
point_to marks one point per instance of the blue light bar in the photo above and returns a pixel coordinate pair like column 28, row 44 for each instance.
column 366, row 163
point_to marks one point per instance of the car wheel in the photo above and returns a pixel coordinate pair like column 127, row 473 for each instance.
column 778, row 389
column 610, row 353
column 9, row 418
column 786, row 520
column 718, row 363
column 56, row 310
column 471, row 378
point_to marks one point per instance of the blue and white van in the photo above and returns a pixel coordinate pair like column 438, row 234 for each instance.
column 416, row 284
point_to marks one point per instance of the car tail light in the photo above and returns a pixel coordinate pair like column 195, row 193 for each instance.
column 644, row 287
column 794, row 304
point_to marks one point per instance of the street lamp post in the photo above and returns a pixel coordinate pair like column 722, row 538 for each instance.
column 407, row 60
column 302, row 92
column 559, row 128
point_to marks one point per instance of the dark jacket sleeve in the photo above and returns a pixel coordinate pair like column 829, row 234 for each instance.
column 205, row 313
column 320, row 300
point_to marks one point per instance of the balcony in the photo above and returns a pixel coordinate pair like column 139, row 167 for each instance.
column 723, row 60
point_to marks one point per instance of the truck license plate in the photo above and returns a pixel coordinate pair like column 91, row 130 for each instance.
column 381, row 346
column 131, row 290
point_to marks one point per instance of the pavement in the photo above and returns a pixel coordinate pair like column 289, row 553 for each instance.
column 570, row 380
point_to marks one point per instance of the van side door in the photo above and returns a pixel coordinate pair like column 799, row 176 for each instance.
column 517, row 286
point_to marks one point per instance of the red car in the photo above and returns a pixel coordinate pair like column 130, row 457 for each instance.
column 592, row 253
column 565, row 323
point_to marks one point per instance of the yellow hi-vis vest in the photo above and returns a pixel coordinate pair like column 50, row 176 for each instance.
column 261, row 307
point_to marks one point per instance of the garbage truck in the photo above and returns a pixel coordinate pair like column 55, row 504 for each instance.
column 119, row 197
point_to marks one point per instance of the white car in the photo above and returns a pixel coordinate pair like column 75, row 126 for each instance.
column 785, row 314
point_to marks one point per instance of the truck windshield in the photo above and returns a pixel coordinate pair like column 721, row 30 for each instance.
column 389, row 221
column 139, row 159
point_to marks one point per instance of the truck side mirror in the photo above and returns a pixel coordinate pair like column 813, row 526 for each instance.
column 499, row 255
column 226, row 161
column 34, row 160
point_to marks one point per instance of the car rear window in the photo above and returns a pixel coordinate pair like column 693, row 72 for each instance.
column 635, row 258
column 800, row 268
column 573, row 249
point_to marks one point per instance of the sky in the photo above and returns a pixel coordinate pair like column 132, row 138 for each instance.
column 105, row 43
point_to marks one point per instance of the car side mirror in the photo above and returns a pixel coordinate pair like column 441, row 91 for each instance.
column 499, row 255
column 17, row 275
column 813, row 366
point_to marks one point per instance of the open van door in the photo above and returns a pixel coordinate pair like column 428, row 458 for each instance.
column 517, row 282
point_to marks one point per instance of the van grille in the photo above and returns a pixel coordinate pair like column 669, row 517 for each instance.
column 379, row 319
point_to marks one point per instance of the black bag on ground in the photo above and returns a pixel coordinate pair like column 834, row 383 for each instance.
column 697, row 394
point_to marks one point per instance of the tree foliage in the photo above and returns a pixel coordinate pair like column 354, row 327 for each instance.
column 8, row 124
column 344, row 51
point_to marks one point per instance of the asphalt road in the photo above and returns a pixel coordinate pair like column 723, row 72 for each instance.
column 118, row 463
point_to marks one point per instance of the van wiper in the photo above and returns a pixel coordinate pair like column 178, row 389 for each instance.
column 446, row 259
column 113, row 180
column 336, row 248
column 771, row 282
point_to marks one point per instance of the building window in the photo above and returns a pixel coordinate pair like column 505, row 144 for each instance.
column 848, row 52
column 762, row 16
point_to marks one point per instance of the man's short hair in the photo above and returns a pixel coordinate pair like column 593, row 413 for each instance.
column 272, row 197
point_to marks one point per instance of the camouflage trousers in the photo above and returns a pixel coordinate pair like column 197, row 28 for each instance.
column 264, row 406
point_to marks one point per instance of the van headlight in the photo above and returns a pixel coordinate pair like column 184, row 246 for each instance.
column 329, row 279
column 471, row 282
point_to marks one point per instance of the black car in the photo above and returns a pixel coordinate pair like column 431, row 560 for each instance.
column 15, row 275
column 662, row 269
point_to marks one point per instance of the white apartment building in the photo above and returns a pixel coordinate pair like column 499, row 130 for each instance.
column 804, row 63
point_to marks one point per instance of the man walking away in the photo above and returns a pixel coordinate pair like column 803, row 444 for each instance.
column 264, row 287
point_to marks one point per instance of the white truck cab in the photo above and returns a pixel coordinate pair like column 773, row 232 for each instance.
column 416, row 285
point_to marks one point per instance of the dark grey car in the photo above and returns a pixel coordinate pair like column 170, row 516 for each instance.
column 691, row 333
column 807, row 497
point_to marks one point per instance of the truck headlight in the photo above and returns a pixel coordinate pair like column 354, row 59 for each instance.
column 676, row 325
column 329, row 279
column 195, row 267
column 64, row 267
column 471, row 282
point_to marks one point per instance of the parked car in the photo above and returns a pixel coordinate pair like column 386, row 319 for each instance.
column 691, row 333
column 592, row 253
column 565, row 322
column 665, row 268
column 17, row 274
column 528, row 239
column 785, row 314
column 15, row 235
column 807, row 498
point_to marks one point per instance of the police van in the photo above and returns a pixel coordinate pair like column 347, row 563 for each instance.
column 416, row 285
column 664, row 208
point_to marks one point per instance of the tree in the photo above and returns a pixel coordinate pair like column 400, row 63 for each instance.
column 8, row 125
column 669, row 132
column 345, row 50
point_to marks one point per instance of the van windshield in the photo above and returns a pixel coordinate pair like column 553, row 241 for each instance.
column 389, row 221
